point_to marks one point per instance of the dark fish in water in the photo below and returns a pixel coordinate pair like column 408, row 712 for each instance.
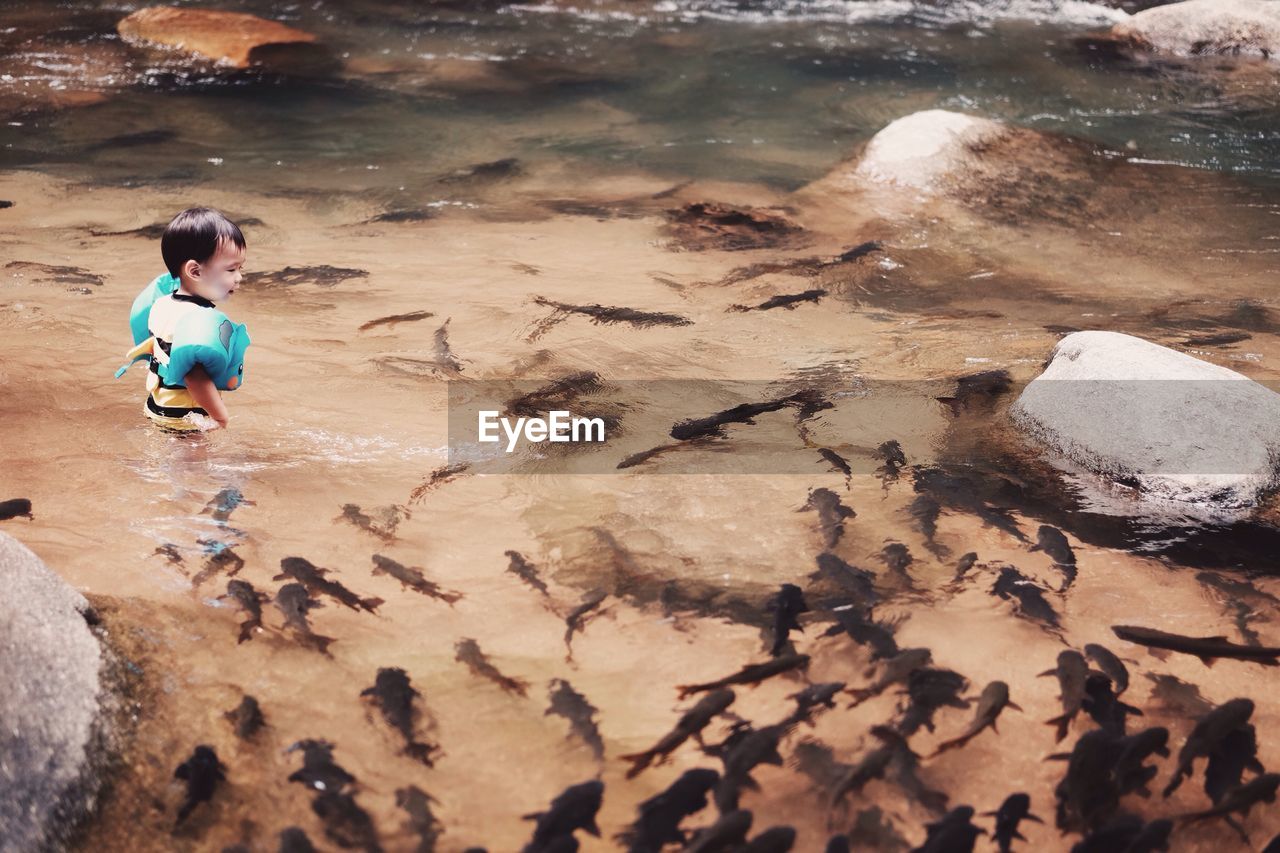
column 313, row 578
column 1110, row 666
column 925, row 512
column 1102, row 705
column 222, row 560
column 608, row 315
column 293, row 601
column 422, row 821
column 412, row 578
column 444, row 357
column 526, row 571
column 246, row 718
column 468, row 652
column 783, row 300
column 964, row 564
column 712, row 425
column 954, row 833
column 977, row 390
column 690, row 725
column 749, row 749
column 294, row 840
column 1014, row 810
column 1220, row 339
column 224, row 503
column 1051, row 541
column 858, row 251
column 961, row 490
column 865, row 631
column 1261, row 789
column 1242, row 599
column 750, row 674
column 437, row 478
column 811, row 700
column 1028, row 597
column 817, row 761
column 507, row 167
column 1153, row 838
column 871, row 828
column 1177, row 696
column 993, row 701
column 725, row 835
column 1207, row 649
column 394, row 695
column 169, row 551
column 1115, row 837
column 392, row 319
column 1237, row 752
column 894, row 460
column 202, row 772
column 1131, row 770
column 895, row 670
column 1208, row 736
column 831, row 515
column 897, row 558
column 577, row 618
column 894, row 761
column 250, row 601
column 838, row 463
column 574, row 707
column 658, row 818
column 319, row 771
column 928, row 689
column 836, row 582
column 345, row 823
column 775, row 839
column 384, row 529
column 786, row 608
column 1088, row 795
column 575, row 808
column 1072, row 672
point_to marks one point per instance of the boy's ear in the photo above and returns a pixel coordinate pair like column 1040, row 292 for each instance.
column 191, row 269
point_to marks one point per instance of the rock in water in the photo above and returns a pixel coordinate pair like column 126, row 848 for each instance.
column 1151, row 417
column 921, row 149
column 1206, row 27
column 49, row 713
column 233, row 38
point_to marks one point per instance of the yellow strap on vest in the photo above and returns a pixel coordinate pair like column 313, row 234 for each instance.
column 147, row 347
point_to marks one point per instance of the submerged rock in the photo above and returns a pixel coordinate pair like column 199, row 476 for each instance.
column 923, row 149
column 233, row 38
column 1206, row 27
column 1156, row 419
column 50, row 664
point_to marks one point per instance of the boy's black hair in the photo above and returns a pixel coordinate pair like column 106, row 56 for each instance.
column 194, row 235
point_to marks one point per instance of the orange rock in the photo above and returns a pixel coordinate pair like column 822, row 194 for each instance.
column 232, row 37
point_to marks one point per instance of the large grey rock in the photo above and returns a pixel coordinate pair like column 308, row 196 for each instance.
column 1206, row 27
column 1145, row 415
column 50, row 665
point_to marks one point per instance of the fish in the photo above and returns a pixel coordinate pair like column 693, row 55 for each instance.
column 169, row 551
column 1208, row 649
column 977, row 390
column 609, row 314
column 658, row 818
column 786, row 606
column 444, row 357
column 961, row 489
column 203, row 773
column 928, row 689
column 422, row 821
column 319, row 771
column 871, row 828
column 1242, row 599
column 1051, row 541
column 838, row 463
column 865, row 631
column 1028, row 597
column 573, row 809
column 1178, row 696
column 831, row 514
column 775, row 839
column 954, row 833
column 963, row 565
column 725, row 835
column 811, row 700
column 903, row 771
column 1072, row 672
column 690, row 725
column 897, row 558
column 750, row 674
column 576, row 619
column 1117, row 835
column 784, row 300
column 393, row 319
column 874, row 764
column 1110, row 665
column 1131, row 771
column 895, row 670
column 993, row 700
column 384, row 527
column 1153, row 837
column 412, row 578
column 1260, row 789
column 1237, row 752
column 293, row 602
column 224, row 503
column 925, row 512
column 574, row 707
column 1014, row 810
column 345, row 823
column 750, row 748
column 294, row 840
column 437, row 478
column 246, row 718
column 507, row 167
column 1104, row 707
column 1088, row 795
column 394, row 695
column 313, row 578
column 468, row 651
column 894, row 460
column 222, row 559
column 712, row 426
column 836, row 582
column 526, row 571
column 817, row 761
column 250, row 601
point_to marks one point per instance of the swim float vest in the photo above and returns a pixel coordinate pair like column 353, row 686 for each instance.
column 201, row 335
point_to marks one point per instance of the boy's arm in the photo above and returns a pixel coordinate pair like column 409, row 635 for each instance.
column 206, row 394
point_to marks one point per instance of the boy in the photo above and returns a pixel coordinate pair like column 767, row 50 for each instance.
column 195, row 350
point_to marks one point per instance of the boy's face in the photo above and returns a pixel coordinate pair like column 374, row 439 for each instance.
column 219, row 276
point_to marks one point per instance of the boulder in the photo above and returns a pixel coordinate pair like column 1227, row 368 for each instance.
column 1156, row 419
column 50, row 666
column 921, row 150
column 1206, row 27
column 232, row 38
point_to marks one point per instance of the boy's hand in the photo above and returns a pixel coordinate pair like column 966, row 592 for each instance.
column 206, row 396
column 206, row 423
